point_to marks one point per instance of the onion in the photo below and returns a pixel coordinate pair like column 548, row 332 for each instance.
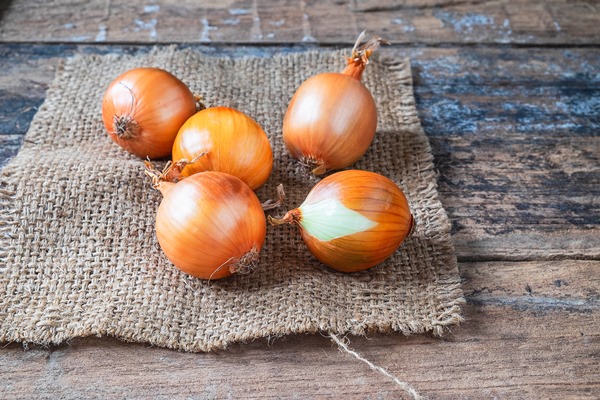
column 331, row 119
column 352, row 220
column 209, row 225
column 143, row 109
column 231, row 142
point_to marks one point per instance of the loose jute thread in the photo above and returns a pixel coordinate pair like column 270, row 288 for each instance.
column 405, row 386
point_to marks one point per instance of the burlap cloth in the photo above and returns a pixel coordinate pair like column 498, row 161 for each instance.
column 79, row 251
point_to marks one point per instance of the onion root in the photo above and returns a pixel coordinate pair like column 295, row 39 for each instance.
column 246, row 263
column 125, row 127
column 317, row 167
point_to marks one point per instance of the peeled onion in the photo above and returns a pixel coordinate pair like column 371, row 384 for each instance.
column 231, row 142
column 144, row 108
column 331, row 119
column 352, row 220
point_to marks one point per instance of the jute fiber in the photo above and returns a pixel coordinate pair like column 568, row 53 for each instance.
column 79, row 254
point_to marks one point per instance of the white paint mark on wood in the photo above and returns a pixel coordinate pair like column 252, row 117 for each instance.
column 270, row 35
column 465, row 23
column 70, row 25
column 231, row 21
column 505, row 32
column 101, row 36
column 306, row 29
column 556, row 26
column 206, row 28
column 149, row 26
column 405, row 27
column 279, row 22
column 151, row 8
column 80, row 38
column 239, row 11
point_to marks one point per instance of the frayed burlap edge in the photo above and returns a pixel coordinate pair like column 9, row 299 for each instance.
column 449, row 290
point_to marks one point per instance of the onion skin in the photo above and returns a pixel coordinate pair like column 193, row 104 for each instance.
column 366, row 213
column 231, row 141
column 332, row 118
column 330, row 122
column 144, row 108
column 210, row 225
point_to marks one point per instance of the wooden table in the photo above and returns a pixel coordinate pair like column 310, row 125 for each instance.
column 509, row 95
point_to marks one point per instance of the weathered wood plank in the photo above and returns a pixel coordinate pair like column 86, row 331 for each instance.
column 515, row 137
column 23, row 85
column 283, row 21
column 9, row 146
column 543, row 286
column 514, row 134
column 531, row 331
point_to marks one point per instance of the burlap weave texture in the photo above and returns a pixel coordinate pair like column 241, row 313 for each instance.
column 79, row 254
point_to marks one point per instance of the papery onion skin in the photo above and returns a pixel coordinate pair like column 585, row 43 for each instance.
column 144, row 108
column 332, row 118
column 210, row 225
column 330, row 122
column 231, row 141
column 382, row 220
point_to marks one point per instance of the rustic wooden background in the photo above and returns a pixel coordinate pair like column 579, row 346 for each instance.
column 509, row 95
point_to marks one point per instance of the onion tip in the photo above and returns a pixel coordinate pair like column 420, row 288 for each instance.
column 361, row 53
column 158, row 181
column 171, row 173
column 289, row 218
column 271, row 204
column 200, row 104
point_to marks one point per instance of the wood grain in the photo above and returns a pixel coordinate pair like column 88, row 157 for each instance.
column 514, row 134
column 306, row 21
column 10, row 145
column 509, row 95
column 515, row 137
column 532, row 331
